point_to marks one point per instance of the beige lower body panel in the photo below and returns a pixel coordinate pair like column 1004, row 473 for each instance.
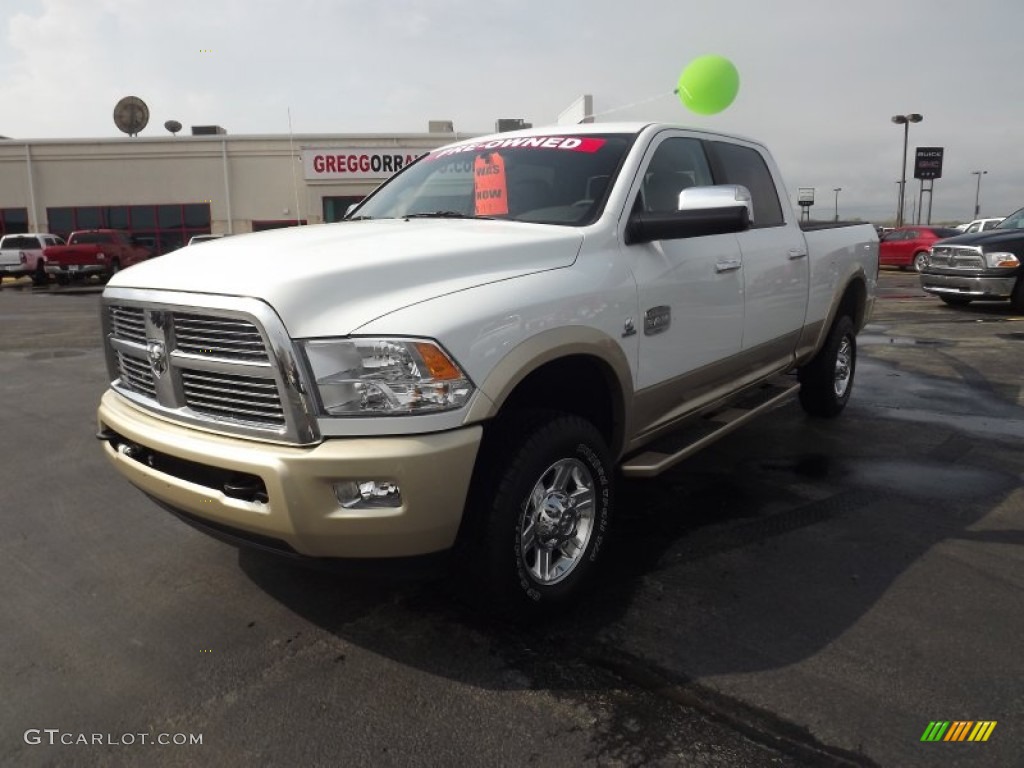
column 433, row 472
column 665, row 407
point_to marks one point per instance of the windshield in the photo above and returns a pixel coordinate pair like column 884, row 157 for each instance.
column 1014, row 221
column 544, row 179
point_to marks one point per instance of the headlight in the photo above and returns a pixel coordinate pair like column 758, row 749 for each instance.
column 1001, row 260
column 364, row 377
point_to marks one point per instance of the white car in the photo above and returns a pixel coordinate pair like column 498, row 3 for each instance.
column 979, row 225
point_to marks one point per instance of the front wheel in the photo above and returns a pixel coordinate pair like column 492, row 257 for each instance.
column 826, row 381
column 539, row 512
column 920, row 261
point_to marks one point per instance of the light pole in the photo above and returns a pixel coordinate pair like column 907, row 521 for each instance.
column 905, row 121
column 837, row 190
column 977, row 192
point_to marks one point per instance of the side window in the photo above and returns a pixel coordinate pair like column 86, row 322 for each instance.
column 743, row 165
column 677, row 163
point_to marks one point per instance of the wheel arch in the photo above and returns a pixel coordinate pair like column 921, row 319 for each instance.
column 852, row 301
column 579, row 371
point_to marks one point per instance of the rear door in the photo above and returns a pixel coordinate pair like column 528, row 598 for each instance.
column 776, row 273
column 906, row 245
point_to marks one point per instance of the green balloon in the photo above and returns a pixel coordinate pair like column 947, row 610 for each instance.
column 708, row 84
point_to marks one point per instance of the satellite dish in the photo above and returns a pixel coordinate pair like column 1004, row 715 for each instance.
column 131, row 115
column 173, row 126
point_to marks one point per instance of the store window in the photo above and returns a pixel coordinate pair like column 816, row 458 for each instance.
column 163, row 228
column 335, row 207
column 13, row 221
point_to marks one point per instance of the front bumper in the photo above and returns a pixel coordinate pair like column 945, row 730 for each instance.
column 183, row 469
column 968, row 287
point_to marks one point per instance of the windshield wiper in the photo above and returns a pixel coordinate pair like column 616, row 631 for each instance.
column 443, row 215
column 358, row 218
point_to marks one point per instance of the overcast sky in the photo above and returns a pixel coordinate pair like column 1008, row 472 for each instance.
column 819, row 81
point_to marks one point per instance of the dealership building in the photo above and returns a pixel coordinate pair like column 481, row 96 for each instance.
column 165, row 189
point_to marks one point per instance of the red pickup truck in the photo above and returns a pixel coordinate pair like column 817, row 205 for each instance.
column 101, row 252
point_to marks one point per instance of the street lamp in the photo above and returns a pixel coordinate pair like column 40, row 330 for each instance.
column 837, row 190
column 977, row 192
column 905, row 121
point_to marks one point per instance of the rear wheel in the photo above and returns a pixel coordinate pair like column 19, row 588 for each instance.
column 538, row 514
column 826, row 381
column 115, row 267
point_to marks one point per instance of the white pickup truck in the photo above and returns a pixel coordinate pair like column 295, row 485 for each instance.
column 466, row 364
column 23, row 255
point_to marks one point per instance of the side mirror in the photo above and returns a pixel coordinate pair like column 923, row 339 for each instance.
column 717, row 210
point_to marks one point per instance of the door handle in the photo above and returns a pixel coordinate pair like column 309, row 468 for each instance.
column 728, row 265
column 796, row 253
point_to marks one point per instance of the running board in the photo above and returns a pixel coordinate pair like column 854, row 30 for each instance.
column 671, row 449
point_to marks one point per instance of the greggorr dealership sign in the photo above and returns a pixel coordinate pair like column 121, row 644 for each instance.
column 357, row 163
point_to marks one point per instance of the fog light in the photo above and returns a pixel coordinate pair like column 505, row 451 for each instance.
column 368, row 494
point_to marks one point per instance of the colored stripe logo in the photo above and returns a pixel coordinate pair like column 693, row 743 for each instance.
column 958, row 730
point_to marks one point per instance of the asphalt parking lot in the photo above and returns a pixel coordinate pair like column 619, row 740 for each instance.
column 801, row 593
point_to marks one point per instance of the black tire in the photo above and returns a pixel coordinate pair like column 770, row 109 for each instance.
column 1017, row 297
column 63, row 279
column 39, row 276
column 920, row 261
column 534, row 470
column 826, row 381
column 115, row 267
column 956, row 301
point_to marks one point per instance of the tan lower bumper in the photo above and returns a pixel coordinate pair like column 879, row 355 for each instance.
column 433, row 472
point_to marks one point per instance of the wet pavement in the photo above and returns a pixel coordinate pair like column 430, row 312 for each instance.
column 803, row 592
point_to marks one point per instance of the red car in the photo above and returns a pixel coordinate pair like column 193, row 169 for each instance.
column 908, row 246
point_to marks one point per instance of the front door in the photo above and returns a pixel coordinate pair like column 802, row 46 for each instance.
column 690, row 290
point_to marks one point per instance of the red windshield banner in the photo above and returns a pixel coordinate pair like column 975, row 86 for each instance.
column 571, row 143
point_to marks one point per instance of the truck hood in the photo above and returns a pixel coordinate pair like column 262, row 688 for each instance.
column 330, row 279
column 990, row 237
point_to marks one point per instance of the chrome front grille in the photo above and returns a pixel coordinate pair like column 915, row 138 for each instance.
column 214, row 336
column 227, row 396
column 219, row 362
column 136, row 374
column 956, row 257
column 128, row 323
